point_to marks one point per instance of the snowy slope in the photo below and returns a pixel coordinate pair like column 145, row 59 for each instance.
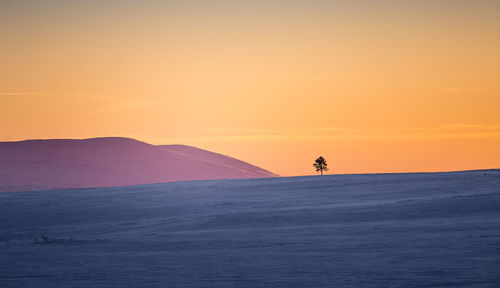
column 110, row 161
column 386, row 230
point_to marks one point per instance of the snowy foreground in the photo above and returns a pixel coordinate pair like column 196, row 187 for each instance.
column 387, row 230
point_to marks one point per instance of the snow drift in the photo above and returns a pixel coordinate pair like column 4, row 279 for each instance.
column 388, row 230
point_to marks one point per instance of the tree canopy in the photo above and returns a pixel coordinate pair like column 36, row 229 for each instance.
column 320, row 165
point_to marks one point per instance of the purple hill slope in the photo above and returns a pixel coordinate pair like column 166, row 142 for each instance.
column 111, row 161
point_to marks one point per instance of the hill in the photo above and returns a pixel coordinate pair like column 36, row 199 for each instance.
column 383, row 230
column 105, row 162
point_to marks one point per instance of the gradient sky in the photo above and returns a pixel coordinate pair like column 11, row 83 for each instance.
column 373, row 86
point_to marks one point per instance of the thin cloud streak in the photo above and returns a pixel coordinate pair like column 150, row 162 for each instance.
column 452, row 131
column 14, row 94
column 326, row 77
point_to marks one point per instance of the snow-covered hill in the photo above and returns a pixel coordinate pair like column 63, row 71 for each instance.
column 110, row 161
column 386, row 230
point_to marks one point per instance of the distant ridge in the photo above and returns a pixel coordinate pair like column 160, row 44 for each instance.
column 111, row 161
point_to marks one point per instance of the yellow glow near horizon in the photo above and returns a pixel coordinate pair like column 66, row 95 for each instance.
column 373, row 86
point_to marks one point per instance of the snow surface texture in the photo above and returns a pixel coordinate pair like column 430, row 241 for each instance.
column 386, row 230
column 110, row 161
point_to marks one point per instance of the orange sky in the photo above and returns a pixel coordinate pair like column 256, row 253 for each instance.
column 373, row 86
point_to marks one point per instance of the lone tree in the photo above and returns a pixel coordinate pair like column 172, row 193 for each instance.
column 320, row 164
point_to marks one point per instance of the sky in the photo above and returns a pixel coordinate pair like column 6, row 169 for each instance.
column 372, row 86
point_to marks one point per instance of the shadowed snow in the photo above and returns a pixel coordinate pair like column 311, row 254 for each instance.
column 386, row 230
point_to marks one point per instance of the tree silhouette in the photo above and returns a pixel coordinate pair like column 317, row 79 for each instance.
column 320, row 164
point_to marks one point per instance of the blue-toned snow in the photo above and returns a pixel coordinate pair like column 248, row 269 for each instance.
column 386, row 230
